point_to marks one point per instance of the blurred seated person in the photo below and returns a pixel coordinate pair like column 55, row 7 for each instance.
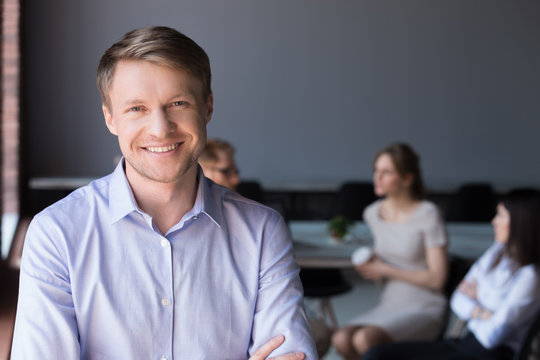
column 498, row 296
column 410, row 259
column 217, row 162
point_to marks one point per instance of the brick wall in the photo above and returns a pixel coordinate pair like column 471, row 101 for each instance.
column 10, row 105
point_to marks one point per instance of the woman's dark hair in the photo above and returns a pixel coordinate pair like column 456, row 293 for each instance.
column 406, row 162
column 523, row 244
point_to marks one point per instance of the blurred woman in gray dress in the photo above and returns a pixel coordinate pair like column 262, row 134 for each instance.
column 410, row 259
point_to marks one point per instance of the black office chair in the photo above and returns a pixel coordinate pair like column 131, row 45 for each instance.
column 353, row 197
column 530, row 345
column 322, row 284
column 458, row 268
column 473, row 202
column 250, row 189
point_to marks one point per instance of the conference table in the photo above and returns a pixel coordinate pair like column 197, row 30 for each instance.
column 315, row 248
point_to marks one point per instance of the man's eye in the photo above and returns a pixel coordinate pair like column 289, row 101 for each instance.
column 178, row 103
column 135, row 108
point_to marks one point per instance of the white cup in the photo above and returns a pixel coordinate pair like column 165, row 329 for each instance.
column 361, row 255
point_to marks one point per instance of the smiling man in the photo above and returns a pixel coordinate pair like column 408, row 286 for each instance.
column 154, row 261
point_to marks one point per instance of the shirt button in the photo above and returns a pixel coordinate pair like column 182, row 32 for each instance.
column 164, row 242
column 165, row 302
column 195, row 217
column 163, row 358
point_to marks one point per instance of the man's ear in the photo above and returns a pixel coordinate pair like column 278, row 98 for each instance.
column 111, row 125
column 209, row 108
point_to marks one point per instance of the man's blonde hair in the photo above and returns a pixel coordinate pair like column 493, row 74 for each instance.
column 160, row 45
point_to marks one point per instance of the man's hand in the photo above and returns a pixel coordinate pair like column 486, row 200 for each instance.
column 271, row 345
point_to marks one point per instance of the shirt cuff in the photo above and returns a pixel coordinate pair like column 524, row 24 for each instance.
column 462, row 305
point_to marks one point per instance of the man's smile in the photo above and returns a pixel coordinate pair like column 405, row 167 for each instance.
column 161, row 149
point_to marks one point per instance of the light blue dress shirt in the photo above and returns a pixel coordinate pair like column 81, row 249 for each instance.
column 513, row 296
column 99, row 280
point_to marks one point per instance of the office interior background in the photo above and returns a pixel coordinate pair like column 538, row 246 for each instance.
column 307, row 91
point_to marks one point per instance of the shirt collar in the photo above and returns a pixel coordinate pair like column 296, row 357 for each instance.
column 210, row 197
column 122, row 201
column 121, row 198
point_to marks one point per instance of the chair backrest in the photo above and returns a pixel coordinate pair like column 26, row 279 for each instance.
column 530, row 344
column 353, row 197
column 473, row 202
column 458, row 268
column 250, row 189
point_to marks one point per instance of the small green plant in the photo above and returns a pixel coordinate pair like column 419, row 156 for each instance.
column 339, row 226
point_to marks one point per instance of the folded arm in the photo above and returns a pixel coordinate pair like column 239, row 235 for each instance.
column 279, row 308
column 464, row 300
column 493, row 327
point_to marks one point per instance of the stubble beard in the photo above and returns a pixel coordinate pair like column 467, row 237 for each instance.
column 147, row 173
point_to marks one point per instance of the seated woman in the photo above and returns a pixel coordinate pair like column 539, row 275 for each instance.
column 410, row 255
column 499, row 295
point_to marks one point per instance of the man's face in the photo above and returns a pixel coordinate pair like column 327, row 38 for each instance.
column 224, row 171
column 160, row 116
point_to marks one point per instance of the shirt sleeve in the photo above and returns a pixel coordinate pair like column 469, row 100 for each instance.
column 370, row 213
column 45, row 326
column 435, row 230
column 279, row 308
column 463, row 305
column 513, row 314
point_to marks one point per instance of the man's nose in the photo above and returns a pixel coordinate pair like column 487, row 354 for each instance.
column 160, row 124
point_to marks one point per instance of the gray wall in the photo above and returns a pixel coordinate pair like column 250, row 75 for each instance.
column 308, row 91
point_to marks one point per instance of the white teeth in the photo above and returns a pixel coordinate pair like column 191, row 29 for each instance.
column 162, row 149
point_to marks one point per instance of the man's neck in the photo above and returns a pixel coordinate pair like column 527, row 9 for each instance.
column 166, row 203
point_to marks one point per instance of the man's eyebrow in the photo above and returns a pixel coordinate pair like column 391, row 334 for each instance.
column 134, row 101
column 184, row 94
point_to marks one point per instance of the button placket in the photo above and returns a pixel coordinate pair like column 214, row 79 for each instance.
column 164, row 299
